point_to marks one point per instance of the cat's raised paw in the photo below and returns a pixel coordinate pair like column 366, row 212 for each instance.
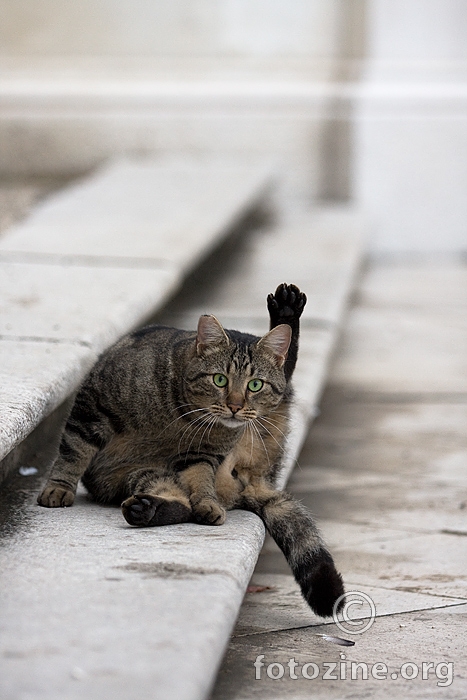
column 143, row 510
column 208, row 512
column 56, row 496
column 286, row 304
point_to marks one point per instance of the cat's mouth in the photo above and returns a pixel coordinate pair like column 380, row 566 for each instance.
column 231, row 421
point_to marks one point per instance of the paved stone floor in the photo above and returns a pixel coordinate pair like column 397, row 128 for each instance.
column 384, row 471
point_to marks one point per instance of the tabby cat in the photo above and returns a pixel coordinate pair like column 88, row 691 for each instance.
column 179, row 426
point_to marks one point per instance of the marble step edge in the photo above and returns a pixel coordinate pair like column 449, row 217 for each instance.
column 303, row 413
column 208, row 604
column 35, row 403
column 307, row 397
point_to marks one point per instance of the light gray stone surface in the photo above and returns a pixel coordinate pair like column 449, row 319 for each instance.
column 88, row 306
column 318, row 251
column 412, row 337
column 432, row 636
column 407, row 351
column 165, row 212
column 17, row 197
column 103, row 610
column 94, row 261
column 35, row 377
column 281, row 606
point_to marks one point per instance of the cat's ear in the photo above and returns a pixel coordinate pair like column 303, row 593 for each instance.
column 210, row 334
column 277, row 342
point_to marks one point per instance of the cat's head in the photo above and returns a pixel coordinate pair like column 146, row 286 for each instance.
column 236, row 376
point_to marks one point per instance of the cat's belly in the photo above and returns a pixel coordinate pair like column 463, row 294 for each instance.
column 130, row 450
column 252, row 460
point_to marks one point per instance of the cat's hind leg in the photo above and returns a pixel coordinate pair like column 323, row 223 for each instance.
column 188, row 495
column 155, row 500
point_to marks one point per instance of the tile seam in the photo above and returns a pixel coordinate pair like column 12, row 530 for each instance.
column 88, row 261
column 45, row 339
column 330, row 622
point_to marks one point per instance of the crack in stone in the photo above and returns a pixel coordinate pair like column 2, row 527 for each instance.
column 330, row 622
column 77, row 260
column 45, row 339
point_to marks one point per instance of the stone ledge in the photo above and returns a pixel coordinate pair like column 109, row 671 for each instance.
column 150, row 611
column 94, row 261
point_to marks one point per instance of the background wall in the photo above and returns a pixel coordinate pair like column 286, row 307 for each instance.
column 172, row 28
column 410, row 166
column 353, row 99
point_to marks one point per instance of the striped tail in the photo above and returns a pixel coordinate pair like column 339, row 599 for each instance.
column 294, row 530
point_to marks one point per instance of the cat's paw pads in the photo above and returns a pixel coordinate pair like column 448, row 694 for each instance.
column 55, row 496
column 143, row 510
column 209, row 512
column 286, row 303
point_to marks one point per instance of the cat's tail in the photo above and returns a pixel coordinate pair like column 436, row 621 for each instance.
column 294, row 530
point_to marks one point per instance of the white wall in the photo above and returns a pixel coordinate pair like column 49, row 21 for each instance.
column 423, row 31
column 81, row 81
column 411, row 125
column 169, row 28
column 240, row 78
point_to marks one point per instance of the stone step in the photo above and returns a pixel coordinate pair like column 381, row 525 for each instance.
column 94, row 608
column 93, row 261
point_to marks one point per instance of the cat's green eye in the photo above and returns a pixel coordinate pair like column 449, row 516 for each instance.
column 220, row 380
column 255, row 384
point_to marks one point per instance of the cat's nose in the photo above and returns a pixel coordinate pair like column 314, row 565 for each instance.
column 234, row 407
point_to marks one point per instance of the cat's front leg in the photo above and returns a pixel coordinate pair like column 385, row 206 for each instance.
column 294, row 530
column 198, row 481
column 75, row 453
column 87, row 430
column 286, row 306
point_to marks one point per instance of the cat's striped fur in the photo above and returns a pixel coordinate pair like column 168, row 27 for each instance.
column 178, row 426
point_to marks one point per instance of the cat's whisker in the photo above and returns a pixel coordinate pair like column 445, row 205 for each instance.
column 204, row 424
column 269, row 433
column 193, row 423
column 209, row 425
column 274, row 412
column 262, row 418
column 199, row 427
column 191, row 426
column 195, row 410
column 252, row 441
column 214, row 421
column 261, row 438
column 182, row 405
column 274, row 423
column 177, row 408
